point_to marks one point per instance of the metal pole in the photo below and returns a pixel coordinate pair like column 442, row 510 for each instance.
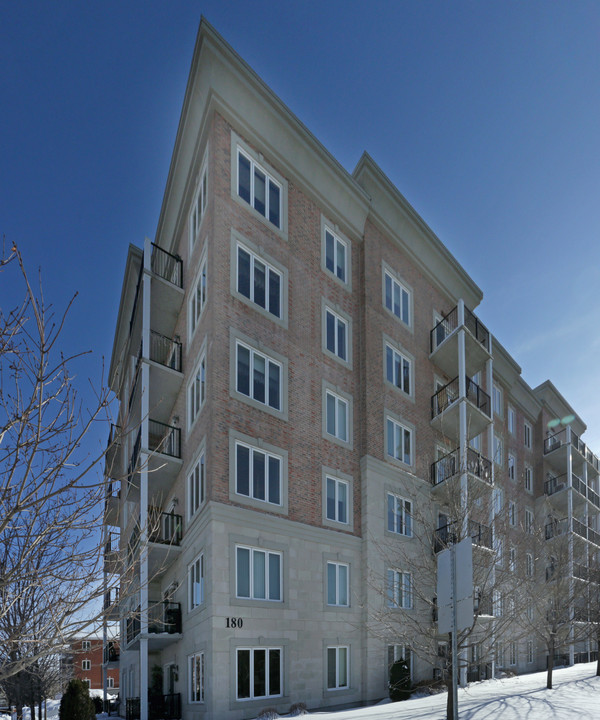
column 454, row 642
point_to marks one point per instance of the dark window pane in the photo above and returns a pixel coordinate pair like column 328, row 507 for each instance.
column 274, row 211
column 243, row 272
column 406, row 375
column 341, row 261
column 244, row 178
column 274, row 293
column 331, row 668
column 330, row 332
column 258, row 387
column 259, row 475
column 243, row 470
column 260, row 673
column 388, row 292
column 330, row 499
column 259, row 191
column 259, row 283
column 274, row 577
column 274, row 480
column 329, row 252
column 331, row 584
column 243, row 370
column 330, row 419
column 274, row 394
column 274, row 672
column 341, row 340
column 243, row 674
column 405, row 316
column 243, row 572
column 389, row 363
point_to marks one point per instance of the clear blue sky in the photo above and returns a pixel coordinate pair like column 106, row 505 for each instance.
column 486, row 115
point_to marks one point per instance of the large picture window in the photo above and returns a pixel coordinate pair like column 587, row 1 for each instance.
column 337, row 668
column 257, row 474
column 258, row 673
column 399, row 515
column 336, row 256
column 399, row 589
column 337, row 584
column 397, row 369
column 337, row 500
column 397, row 298
column 258, row 376
column 259, row 281
column 258, row 574
column 399, row 441
column 259, row 189
column 196, row 486
column 196, row 582
column 336, row 422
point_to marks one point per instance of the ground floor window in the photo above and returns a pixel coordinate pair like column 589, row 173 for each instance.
column 110, row 682
column 258, row 673
column 337, row 668
column 399, row 652
column 196, row 674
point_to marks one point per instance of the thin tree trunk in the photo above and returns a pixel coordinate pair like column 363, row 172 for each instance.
column 550, row 664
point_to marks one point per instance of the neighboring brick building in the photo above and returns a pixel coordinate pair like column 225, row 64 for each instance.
column 87, row 665
column 302, row 385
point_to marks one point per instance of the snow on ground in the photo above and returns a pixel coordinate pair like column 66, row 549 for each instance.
column 576, row 694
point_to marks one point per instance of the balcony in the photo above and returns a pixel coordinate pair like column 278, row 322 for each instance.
column 447, row 535
column 556, row 449
column 165, row 374
column 112, row 502
column 164, row 623
column 163, row 463
column 160, row 707
column 444, row 342
column 556, row 528
column 587, row 533
column 114, row 453
column 167, row 290
column 111, row 652
column 164, row 536
column 448, row 467
column 481, row 535
column 556, row 490
column 445, row 409
column 111, row 604
column 112, row 560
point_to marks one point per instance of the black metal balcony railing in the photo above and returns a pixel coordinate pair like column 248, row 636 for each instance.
column 585, row 657
column 449, row 323
column 555, row 484
column 444, row 536
column 163, row 438
column 112, row 543
column 111, row 652
column 165, row 528
column 444, row 397
column 480, row 534
column 111, row 598
column 136, row 297
column 553, row 442
column 556, row 528
column 133, row 461
column 163, row 617
column 114, row 436
column 160, row 707
column 479, row 397
column 448, row 465
column 165, row 351
column 113, row 489
column 167, row 266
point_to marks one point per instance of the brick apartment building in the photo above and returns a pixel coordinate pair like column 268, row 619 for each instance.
column 87, row 661
column 303, row 385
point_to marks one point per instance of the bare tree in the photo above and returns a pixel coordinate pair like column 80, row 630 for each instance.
column 51, row 494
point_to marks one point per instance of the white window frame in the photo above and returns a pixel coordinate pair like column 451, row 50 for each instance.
column 400, row 652
column 341, row 683
column 338, row 321
column 499, row 550
column 341, row 584
column 198, row 210
column 337, row 243
column 86, row 664
column 86, row 644
column 529, row 566
column 498, row 500
column 268, row 360
column 268, row 659
column 400, row 360
column 269, row 271
column 110, row 682
column 196, row 571
column 252, row 451
column 528, row 478
column 529, row 521
column 511, row 466
column 196, row 390
column 337, row 483
column 338, row 425
column 196, row 678
column 527, row 435
column 395, row 429
column 197, row 301
column 269, row 180
column 197, row 485
column 513, row 653
column 399, row 517
column 268, row 590
column 498, row 449
column 511, row 420
column 497, row 400
column 399, row 589
column 399, row 288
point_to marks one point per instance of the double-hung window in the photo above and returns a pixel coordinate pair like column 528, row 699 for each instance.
column 198, row 298
column 86, row 664
column 199, row 205
column 196, row 582
column 528, row 521
column 397, row 369
column 529, row 565
column 258, row 376
column 196, row 677
column 337, row 500
column 259, row 189
column 399, row 589
column 527, row 435
column 336, row 256
column 336, row 334
column 257, row 474
column 197, row 391
column 497, row 400
column 528, row 478
column 336, row 420
column 397, row 298
column 399, row 441
column 337, row 584
column 258, row 673
column 337, row 668
column 511, row 466
column 258, row 574
column 197, row 486
column 399, row 515
column 259, row 281
column 511, row 420
column 498, row 450
column 512, row 513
